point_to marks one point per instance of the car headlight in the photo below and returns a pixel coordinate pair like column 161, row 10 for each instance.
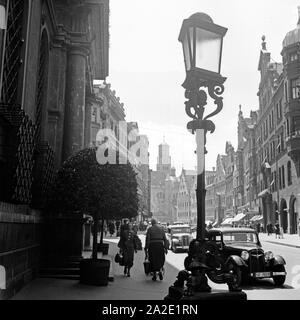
column 269, row 255
column 245, row 255
column 175, row 240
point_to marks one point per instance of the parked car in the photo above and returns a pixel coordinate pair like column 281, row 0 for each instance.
column 240, row 252
column 179, row 237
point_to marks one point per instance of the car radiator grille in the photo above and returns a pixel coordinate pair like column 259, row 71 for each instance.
column 256, row 261
column 185, row 240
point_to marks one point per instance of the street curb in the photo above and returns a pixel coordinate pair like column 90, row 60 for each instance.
column 283, row 244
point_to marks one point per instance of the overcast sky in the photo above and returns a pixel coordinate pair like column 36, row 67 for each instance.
column 146, row 66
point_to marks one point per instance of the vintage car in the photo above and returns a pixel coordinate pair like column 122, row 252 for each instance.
column 179, row 237
column 239, row 251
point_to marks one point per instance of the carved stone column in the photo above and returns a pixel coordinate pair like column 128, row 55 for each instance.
column 75, row 101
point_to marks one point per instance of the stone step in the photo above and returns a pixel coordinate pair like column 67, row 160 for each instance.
column 60, row 276
column 59, row 264
column 68, row 271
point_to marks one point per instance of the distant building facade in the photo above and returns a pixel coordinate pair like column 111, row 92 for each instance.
column 164, row 186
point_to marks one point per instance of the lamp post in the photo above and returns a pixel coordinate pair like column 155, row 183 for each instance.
column 202, row 49
column 202, row 42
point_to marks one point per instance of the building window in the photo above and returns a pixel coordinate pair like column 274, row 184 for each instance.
column 272, row 182
column 278, row 147
column 293, row 57
column 282, row 140
column 279, row 175
column 295, row 88
column 289, row 173
column 14, row 51
column 283, row 178
column 94, row 115
column 296, row 121
column 279, row 109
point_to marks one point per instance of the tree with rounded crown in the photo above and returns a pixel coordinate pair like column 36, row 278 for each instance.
column 105, row 191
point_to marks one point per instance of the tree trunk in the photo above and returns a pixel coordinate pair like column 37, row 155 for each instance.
column 95, row 236
column 102, row 230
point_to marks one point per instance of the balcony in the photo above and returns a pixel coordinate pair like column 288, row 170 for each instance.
column 293, row 149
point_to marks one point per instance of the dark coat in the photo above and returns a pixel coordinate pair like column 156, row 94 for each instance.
column 128, row 246
column 156, row 245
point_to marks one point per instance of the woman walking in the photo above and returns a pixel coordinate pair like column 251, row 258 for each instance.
column 128, row 247
column 156, row 248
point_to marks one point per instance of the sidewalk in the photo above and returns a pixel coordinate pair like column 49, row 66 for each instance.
column 137, row 287
column 290, row 240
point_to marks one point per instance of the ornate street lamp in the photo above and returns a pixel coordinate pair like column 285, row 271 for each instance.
column 202, row 42
column 202, row 48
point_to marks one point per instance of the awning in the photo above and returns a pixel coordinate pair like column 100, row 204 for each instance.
column 263, row 193
column 256, row 218
column 238, row 217
column 227, row 221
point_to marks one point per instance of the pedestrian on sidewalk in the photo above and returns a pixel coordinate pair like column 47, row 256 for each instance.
column 111, row 227
column 277, row 230
column 269, row 228
column 128, row 246
column 156, row 248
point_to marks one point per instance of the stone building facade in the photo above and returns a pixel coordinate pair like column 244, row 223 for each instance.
column 138, row 154
column 278, row 127
column 51, row 51
column 266, row 167
column 164, row 185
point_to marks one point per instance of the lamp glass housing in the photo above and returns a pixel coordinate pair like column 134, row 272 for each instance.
column 208, row 50
column 202, row 49
column 202, row 42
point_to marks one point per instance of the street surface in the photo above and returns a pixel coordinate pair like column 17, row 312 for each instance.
column 262, row 289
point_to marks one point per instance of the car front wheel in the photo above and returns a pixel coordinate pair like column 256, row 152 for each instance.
column 279, row 280
column 236, row 276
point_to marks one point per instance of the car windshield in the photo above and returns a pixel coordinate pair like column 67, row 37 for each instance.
column 247, row 237
column 181, row 230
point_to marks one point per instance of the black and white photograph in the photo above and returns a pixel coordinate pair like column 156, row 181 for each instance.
column 149, row 153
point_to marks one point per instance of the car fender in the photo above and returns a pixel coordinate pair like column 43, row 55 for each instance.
column 279, row 260
column 237, row 260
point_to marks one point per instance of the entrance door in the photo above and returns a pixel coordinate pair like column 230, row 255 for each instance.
column 293, row 216
column 283, row 214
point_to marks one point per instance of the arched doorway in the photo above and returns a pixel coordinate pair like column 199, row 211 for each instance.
column 293, row 215
column 283, row 215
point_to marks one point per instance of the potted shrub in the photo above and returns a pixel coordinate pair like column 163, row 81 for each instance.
column 107, row 191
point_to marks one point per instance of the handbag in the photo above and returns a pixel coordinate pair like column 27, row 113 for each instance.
column 119, row 259
column 147, row 266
